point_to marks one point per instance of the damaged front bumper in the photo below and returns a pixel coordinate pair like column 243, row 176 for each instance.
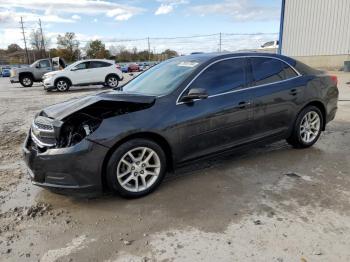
column 75, row 169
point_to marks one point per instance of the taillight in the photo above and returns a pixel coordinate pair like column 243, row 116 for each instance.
column 334, row 79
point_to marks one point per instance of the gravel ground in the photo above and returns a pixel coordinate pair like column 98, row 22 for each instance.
column 272, row 203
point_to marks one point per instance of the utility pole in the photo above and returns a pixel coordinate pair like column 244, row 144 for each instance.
column 42, row 39
column 220, row 42
column 149, row 49
column 24, row 39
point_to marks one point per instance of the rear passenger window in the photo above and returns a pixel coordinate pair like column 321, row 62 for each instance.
column 222, row 77
column 270, row 70
column 98, row 64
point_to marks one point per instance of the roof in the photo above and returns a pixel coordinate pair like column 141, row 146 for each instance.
column 210, row 56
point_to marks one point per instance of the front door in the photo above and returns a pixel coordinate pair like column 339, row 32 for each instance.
column 80, row 74
column 44, row 66
column 222, row 120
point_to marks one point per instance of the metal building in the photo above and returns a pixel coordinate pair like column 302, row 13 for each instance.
column 316, row 32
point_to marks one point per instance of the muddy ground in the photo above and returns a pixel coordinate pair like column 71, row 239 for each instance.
column 272, row 203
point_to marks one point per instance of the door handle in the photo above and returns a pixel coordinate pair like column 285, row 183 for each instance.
column 243, row 104
column 293, row 91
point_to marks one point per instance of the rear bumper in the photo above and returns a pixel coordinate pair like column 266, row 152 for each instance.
column 77, row 169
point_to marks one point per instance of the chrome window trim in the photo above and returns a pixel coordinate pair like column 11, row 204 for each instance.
column 237, row 90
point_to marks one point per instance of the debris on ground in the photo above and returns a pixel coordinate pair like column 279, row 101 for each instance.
column 293, row 175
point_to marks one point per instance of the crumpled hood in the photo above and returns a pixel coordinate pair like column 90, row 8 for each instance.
column 62, row 110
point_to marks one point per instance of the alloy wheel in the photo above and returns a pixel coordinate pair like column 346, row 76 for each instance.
column 62, row 85
column 310, row 127
column 27, row 81
column 112, row 81
column 138, row 169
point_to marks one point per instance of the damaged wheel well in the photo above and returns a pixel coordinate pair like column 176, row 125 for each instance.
column 161, row 141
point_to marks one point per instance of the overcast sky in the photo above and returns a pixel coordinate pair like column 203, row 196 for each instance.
column 111, row 20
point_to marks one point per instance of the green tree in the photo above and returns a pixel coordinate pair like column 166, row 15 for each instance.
column 13, row 48
column 97, row 49
column 170, row 53
column 68, row 47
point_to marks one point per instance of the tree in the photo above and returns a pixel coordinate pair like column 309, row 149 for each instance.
column 68, row 46
column 35, row 40
column 13, row 48
column 97, row 49
column 170, row 53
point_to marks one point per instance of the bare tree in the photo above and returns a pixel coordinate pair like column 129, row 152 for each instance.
column 69, row 46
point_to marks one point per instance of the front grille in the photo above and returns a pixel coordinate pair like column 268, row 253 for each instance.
column 42, row 132
column 43, row 126
column 43, row 123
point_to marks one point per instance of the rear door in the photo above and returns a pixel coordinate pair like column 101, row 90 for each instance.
column 278, row 92
column 99, row 71
column 222, row 120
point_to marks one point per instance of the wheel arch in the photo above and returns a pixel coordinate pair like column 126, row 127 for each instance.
column 160, row 140
column 22, row 74
column 322, row 108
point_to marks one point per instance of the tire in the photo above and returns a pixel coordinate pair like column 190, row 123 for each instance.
column 122, row 169
column 305, row 135
column 62, row 85
column 112, row 81
column 26, row 80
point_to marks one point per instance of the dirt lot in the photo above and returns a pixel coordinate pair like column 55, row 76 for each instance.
column 272, row 203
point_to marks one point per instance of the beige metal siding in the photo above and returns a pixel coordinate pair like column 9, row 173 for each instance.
column 316, row 27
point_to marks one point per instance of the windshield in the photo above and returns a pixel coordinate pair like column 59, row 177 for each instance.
column 72, row 65
column 163, row 78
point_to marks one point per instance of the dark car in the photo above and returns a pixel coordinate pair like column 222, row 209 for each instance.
column 180, row 110
column 133, row 68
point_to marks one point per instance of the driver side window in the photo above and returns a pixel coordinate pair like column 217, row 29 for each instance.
column 222, row 77
column 81, row 66
column 44, row 64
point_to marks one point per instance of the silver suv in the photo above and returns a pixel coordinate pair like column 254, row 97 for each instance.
column 34, row 73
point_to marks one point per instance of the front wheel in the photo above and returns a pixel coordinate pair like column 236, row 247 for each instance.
column 136, row 168
column 112, row 81
column 62, row 85
column 26, row 80
column 307, row 128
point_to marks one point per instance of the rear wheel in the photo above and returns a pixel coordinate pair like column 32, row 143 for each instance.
column 112, row 81
column 307, row 128
column 26, row 80
column 136, row 168
column 62, row 85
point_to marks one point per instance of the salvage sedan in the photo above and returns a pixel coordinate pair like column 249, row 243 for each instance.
column 180, row 110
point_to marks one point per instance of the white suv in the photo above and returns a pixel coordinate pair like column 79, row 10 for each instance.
column 84, row 72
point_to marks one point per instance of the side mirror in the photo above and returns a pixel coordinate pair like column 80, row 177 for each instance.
column 37, row 65
column 195, row 93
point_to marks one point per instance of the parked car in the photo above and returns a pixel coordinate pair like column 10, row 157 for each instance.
column 5, row 72
column 124, row 68
column 180, row 110
column 84, row 72
column 34, row 73
column 270, row 45
column 133, row 68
